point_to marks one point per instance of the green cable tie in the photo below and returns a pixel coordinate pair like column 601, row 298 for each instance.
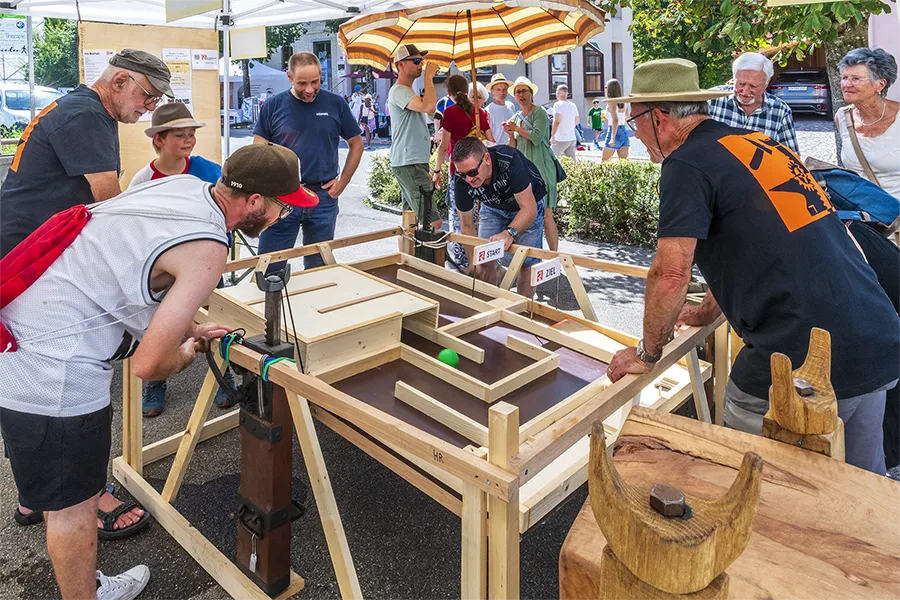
column 270, row 362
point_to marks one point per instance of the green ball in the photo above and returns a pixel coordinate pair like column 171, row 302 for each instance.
column 448, row 357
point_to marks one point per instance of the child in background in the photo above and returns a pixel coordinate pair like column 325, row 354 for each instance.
column 173, row 134
column 596, row 116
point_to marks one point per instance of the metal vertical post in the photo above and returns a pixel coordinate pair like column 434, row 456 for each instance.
column 29, row 37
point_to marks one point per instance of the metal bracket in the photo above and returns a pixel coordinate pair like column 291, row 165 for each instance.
column 258, row 428
column 262, row 521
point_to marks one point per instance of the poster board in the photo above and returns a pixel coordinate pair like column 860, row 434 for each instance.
column 203, row 85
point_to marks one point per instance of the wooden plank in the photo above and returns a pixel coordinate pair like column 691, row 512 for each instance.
column 473, row 572
column 357, row 364
column 559, row 337
column 459, row 279
column 461, row 347
column 697, row 388
column 396, row 465
column 386, row 428
column 220, row 568
column 408, row 224
column 581, row 261
column 169, row 446
column 441, row 413
column 454, row 377
column 191, row 435
column 375, row 263
column 561, row 409
column 327, row 255
column 536, row 453
column 721, row 368
column 823, row 530
column 132, row 418
column 515, row 265
column 554, row 484
column 550, row 312
column 310, row 249
column 443, row 291
column 355, row 301
column 523, row 377
column 473, row 323
column 328, row 352
column 503, row 527
column 584, row 302
column 297, row 292
column 338, row 548
column 526, row 348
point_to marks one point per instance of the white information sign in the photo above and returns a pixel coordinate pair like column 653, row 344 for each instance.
column 488, row 252
column 205, row 60
column 545, row 271
column 179, row 62
column 95, row 62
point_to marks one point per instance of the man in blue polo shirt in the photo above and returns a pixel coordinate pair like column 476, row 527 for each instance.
column 309, row 121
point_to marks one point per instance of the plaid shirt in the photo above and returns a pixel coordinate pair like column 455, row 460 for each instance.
column 773, row 118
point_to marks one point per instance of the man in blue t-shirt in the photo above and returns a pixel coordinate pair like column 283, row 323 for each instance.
column 511, row 192
column 310, row 121
column 776, row 256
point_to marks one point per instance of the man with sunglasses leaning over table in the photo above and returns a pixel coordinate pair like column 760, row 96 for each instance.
column 511, row 192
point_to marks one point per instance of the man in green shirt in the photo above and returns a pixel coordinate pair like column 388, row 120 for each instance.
column 596, row 116
column 411, row 144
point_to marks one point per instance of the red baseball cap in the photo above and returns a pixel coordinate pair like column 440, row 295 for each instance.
column 302, row 198
column 270, row 170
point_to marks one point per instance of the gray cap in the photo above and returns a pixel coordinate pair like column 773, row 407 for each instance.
column 146, row 64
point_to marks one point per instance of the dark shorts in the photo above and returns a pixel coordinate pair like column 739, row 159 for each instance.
column 57, row 462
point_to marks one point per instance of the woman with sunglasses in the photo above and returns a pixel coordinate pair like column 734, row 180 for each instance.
column 529, row 132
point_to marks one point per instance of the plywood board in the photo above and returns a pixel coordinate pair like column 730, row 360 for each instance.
column 135, row 147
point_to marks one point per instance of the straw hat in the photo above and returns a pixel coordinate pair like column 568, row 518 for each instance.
column 522, row 80
column 172, row 115
column 498, row 78
column 667, row 80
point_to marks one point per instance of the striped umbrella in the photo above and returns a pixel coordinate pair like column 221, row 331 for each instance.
column 482, row 31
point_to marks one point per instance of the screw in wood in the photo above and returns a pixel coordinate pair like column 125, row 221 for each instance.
column 667, row 501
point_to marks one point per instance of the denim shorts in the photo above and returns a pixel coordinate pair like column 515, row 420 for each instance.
column 621, row 140
column 494, row 220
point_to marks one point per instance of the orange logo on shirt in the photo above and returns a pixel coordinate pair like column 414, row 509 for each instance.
column 27, row 134
column 789, row 185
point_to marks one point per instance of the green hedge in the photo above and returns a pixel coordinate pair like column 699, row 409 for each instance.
column 386, row 190
column 615, row 201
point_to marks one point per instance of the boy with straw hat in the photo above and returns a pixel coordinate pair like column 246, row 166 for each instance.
column 777, row 259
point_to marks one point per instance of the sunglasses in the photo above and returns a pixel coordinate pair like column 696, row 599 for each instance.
column 473, row 172
column 416, row 61
column 285, row 208
column 150, row 98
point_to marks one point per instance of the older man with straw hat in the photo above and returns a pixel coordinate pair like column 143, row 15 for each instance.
column 776, row 257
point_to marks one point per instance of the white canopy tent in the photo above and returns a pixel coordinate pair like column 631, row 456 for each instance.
column 234, row 13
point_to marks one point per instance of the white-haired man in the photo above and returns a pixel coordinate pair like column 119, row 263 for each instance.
column 776, row 256
column 751, row 107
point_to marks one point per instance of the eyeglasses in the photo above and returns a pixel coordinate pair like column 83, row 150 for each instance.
column 286, row 209
column 416, row 61
column 150, row 99
column 854, row 80
column 473, row 172
column 631, row 122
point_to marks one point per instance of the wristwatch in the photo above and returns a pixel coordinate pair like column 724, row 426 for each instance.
column 512, row 231
column 646, row 356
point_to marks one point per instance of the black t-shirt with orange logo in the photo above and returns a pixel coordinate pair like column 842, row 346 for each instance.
column 777, row 259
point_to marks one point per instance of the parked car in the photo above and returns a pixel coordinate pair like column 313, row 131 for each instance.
column 804, row 91
column 16, row 106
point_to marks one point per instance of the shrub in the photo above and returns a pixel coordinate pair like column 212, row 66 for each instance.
column 386, row 190
column 614, row 201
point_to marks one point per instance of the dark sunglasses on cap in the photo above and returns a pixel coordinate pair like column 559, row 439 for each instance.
column 416, row 61
column 473, row 172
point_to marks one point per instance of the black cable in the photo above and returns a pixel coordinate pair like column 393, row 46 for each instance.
column 287, row 300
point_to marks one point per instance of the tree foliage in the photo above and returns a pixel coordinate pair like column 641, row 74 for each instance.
column 56, row 54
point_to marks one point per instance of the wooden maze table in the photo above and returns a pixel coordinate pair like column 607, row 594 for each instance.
column 824, row 529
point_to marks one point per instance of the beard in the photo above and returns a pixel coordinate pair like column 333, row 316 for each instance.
column 254, row 223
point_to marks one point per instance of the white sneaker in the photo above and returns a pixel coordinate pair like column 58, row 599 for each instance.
column 125, row 586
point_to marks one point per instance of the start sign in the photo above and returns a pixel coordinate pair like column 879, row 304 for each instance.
column 545, row 271
column 488, row 252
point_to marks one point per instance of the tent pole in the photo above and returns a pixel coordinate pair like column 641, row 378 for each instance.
column 226, row 87
column 29, row 38
column 476, row 115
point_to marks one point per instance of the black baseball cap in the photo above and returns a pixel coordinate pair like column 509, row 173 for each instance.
column 146, row 64
column 270, row 170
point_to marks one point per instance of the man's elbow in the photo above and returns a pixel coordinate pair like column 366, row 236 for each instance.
column 674, row 279
column 429, row 108
column 147, row 370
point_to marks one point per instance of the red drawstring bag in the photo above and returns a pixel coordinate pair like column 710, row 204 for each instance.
column 33, row 256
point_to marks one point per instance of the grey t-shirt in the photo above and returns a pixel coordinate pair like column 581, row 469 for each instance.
column 410, row 143
column 499, row 113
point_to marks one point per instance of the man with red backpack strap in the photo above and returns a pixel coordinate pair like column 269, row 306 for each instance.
column 70, row 317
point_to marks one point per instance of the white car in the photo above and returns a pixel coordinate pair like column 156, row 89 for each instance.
column 16, row 106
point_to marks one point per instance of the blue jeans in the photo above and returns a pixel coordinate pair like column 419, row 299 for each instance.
column 318, row 226
column 494, row 220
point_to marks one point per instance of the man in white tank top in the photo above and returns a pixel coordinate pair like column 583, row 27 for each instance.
column 105, row 291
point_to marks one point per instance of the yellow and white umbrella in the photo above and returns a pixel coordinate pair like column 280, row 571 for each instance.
column 481, row 31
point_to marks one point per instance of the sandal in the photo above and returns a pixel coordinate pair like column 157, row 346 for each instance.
column 108, row 519
column 32, row 518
